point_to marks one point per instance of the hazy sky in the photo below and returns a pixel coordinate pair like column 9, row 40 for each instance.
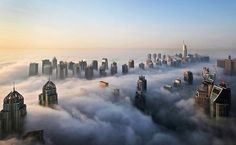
column 94, row 24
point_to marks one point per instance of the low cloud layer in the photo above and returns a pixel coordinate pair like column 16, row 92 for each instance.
column 91, row 115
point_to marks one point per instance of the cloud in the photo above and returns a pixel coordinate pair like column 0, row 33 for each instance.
column 90, row 115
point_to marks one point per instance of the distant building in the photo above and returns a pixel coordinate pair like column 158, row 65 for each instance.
column 46, row 67
column 33, row 69
column 76, row 70
column 229, row 65
column 185, row 53
column 142, row 66
column 71, row 65
column 113, row 68
column 140, row 95
column 105, row 63
column 102, row 71
column 12, row 114
column 89, row 72
column 62, row 70
column 149, row 56
column 82, row 65
column 125, row 69
column 95, row 64
column 159, row 55
column 149, row 63
column 49, row 96
column 131, row 63
column 188, row 77
column 54, row 63
column 154, row 56
column 220, row 101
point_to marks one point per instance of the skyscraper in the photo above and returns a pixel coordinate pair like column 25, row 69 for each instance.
column 62, row 70
column 220, row 101
column 12, row 114
column 105, row 62
column 102, row 71
column 131, row 63
column 142, row 66
column 82, row 65
column 113, row 68
column 140, row 95
column 33, row 69
column 188, row 77
column 125, row 69
column 76, row 70
column 185, row 53
column 89, row 72
column 95, row 64
column 46, row 67
column 54, row 63
column 48, row 97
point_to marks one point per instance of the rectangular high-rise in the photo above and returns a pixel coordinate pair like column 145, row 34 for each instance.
column 33, row 69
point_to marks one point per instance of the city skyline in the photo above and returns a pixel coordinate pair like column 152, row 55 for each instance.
column 80, row 25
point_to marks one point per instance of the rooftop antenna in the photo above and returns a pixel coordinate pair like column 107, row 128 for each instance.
column 14, row 86
column 49, row 78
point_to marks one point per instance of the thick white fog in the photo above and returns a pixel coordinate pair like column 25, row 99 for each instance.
column 88, row 114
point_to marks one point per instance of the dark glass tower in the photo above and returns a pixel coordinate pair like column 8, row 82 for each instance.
column 12, row 114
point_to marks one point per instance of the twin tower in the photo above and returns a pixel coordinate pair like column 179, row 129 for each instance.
column 14, row 110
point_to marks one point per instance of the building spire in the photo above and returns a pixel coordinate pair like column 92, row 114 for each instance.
column 14, row 86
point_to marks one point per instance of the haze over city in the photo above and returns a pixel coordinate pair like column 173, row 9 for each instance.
column 117, row 72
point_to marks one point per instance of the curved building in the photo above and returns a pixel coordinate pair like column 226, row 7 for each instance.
column 48, row 97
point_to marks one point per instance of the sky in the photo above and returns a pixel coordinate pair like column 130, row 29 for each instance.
column 49, row 25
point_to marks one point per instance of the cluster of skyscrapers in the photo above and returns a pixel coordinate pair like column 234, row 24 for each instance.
column 214, row 99
column 174, row 61
column 14, row 111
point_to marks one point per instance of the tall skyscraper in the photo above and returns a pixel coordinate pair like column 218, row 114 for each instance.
column 220, row 101
column 154, row 56
column 83, row 65
column 102, row 71
column 125, row 69
column 105, row 62
column 95, row 64
column 142, row 84
column 76, row 70
column 54, row 63
column 33, row 69
column 142, row 66
column 62, row 70
column 202, row 96
column 71, row 65
column 188, row 77
column 46, row 67
column 89, row 72
column 113, row 68
column 12, row 114
column 149, row 56
column 185, row 53
column 131, row 63
column 48, row 97
column 140, row 96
